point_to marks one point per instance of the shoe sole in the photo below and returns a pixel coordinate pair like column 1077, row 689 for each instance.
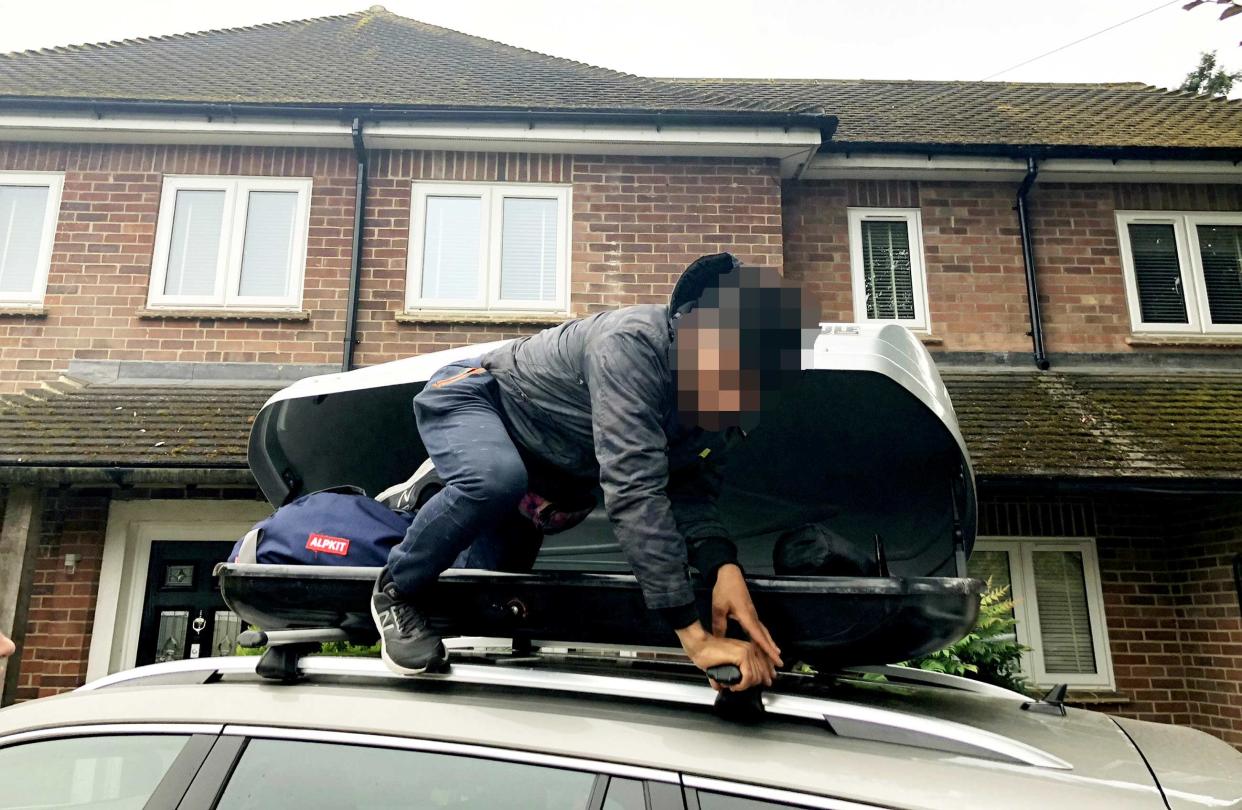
column 393, row 665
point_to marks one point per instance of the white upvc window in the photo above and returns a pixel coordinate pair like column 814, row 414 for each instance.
column 499, row 247
column 231, row 243
column 1183, row 271
column 29, row 206
column 886, row 261
column 1058, row 605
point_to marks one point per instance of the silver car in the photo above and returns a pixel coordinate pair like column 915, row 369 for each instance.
column 550, row 729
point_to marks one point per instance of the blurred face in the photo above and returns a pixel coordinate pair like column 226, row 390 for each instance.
column 713, row 391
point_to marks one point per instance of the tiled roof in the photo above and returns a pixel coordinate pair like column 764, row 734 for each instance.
column 66, row 425
column 378, row 59
column 1103, row 425
column 1024, row 424
column 1009, row 113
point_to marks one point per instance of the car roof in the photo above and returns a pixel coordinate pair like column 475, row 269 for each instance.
column 805, row 743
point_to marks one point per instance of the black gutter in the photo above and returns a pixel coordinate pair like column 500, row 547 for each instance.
column 1038, row 151
column 1028, row 262
column 826, row 124
column 355, row 253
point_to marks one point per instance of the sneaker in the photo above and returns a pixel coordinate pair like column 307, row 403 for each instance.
column 413, row 493
column 407, row 643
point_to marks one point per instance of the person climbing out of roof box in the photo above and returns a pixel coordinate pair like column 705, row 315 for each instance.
column 644, row 400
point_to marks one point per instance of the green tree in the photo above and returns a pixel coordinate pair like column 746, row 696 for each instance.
column 1209, row 79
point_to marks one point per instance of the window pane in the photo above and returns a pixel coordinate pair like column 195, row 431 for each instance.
column 118, row 772
column 274, row 774
column 719, row 801
column 1158, row 274
column 194, row 249
column 625, row 794
column 1220, row 248
column 170, row 637
column 451, row 260
column 269, row 244
column 887, row 273
column 528, row 252
column 224, row 633
column 22, row 212
column 1064, row 621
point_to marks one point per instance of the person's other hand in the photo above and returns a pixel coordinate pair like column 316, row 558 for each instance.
column 7, row 647
column 731, row 600
column 706, row 651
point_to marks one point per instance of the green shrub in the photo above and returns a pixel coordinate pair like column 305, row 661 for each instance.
column 990, row 652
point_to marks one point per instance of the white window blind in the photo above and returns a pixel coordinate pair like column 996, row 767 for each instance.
column 452, row 256
column 1066, row 641
column 493, row 247
column 194, row 253
column 29, row 204
column 887, row 270
column 231, row 242
column 1220, row 253
column 271, row 218
column 528, row 252
column 1058, row 606
column 1183, row 271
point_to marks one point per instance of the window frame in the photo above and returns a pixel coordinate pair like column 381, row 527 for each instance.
column 1190, row 261
column 913, row 217
column 55, row 183
column 232, row 242
column 487, row 299
column 1026, row 606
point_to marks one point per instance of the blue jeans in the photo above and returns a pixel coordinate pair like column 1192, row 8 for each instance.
column 474, row 521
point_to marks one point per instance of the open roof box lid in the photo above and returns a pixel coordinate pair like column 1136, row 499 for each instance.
column 867, row 442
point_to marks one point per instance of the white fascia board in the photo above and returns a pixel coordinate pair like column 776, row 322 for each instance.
column 885, row 166
column 59, row 128
column 793, row 147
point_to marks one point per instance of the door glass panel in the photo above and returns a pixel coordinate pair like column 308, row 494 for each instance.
column 1064, row 619
column 22, row 211
column 287, row 774
column 1158, row 273
column 225, row 632
column 170, row 638
column 117, row 773
column 1220, row 248
column 194, row 249
column 528, row 250
column 624, row 794
column 887, row 273
column 452, row 262
column 269, row 244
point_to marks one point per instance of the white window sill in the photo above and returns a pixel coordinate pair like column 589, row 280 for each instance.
column 20, row 311
column 432, row 316
column 1220, row 341
column 223, row 314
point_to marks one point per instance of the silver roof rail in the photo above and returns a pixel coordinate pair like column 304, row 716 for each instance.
column 842, row 718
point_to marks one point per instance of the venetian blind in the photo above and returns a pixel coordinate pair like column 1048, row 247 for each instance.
column 528, row 250
column 1064, row 619
column 452, row 263
column 1158, row 273
column 194, row 249
column 22, row 209
column 268, row 248
column 1220, row 250
column 887, row 274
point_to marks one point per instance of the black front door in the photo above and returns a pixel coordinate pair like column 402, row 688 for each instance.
column 183, row 615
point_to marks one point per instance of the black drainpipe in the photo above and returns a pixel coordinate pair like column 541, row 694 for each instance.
column 355, row 256
column 1028, row 261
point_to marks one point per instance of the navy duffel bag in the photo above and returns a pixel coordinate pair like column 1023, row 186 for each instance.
column 334, row 527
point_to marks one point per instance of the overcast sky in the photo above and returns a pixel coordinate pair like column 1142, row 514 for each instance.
column 874, row 39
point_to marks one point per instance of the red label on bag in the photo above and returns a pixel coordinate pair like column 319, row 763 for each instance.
column 328, row 544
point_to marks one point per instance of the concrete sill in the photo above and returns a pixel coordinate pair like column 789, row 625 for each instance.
column 224, row 314
column 1186, row 341
column 1088, row 698
column 929, row 340
column 427, row 317
column 22, row 312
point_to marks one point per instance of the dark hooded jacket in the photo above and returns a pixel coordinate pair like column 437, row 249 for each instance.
column 595, row 398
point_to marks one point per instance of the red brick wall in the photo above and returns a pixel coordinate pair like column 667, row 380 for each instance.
column 636, row 223
column 976, row 282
